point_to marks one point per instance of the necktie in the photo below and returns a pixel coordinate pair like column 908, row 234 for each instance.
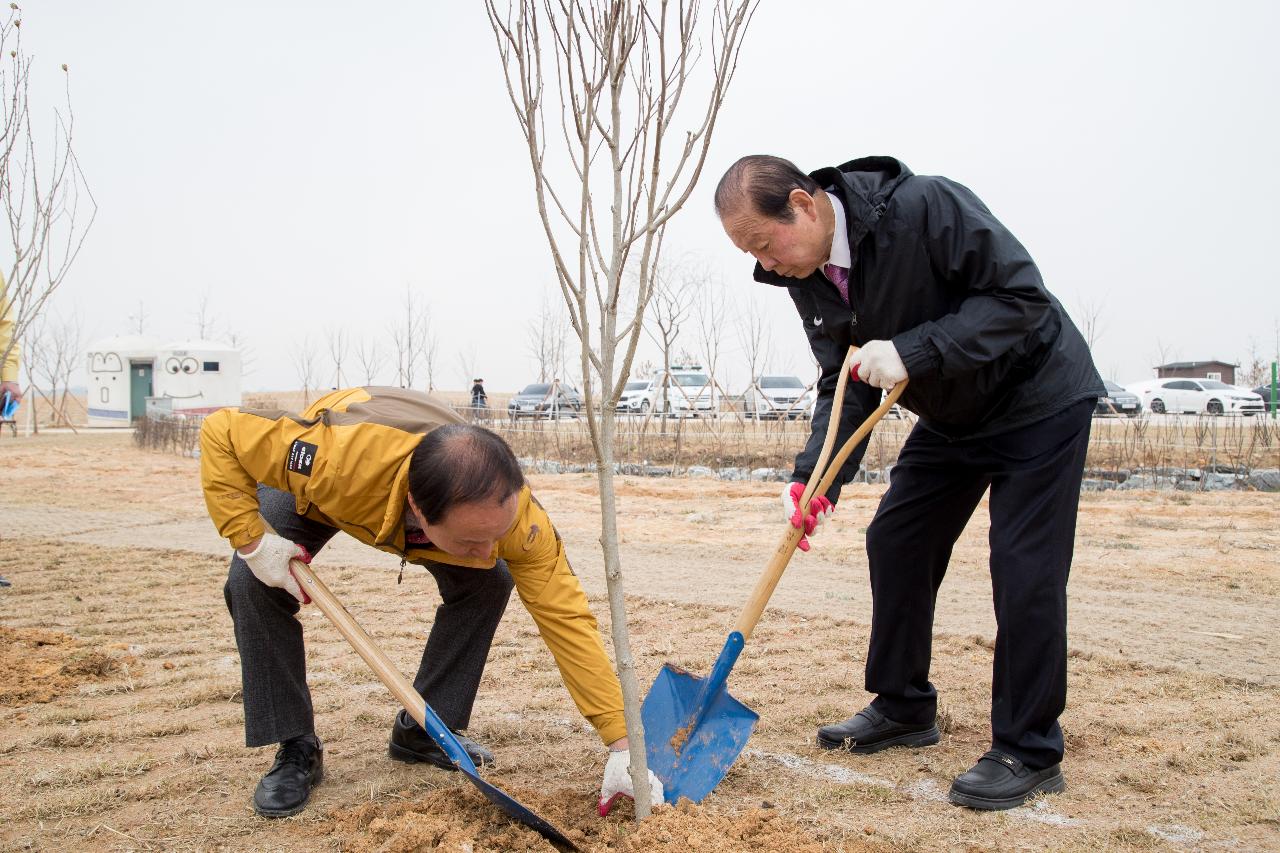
column 839, row 276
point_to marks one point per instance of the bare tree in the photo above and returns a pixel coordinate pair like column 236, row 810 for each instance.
column 306, row 363
column 409, row 336
column 548, row 338
column 467, row 365
column 620, row 74
column 47, row 202
column 754, row 337
column 1091, row 319
column 712, row 311
column 669, row 306
column 138, row 320
column 1164, row 352
column 338, row 343
column 370, row 358
column 430, row 352
column 53, row 346
column 203, row 317
column 240, row 343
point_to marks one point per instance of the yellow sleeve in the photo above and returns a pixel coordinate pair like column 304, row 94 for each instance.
column 238, row 450
column 9, row 367
column 551, row 593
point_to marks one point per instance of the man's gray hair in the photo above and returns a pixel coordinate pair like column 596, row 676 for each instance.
column 766, row 182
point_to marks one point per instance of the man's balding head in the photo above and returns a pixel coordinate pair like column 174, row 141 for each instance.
column 460, row 464
column 765, row 184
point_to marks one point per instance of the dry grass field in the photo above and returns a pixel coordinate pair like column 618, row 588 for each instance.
column 122, row 729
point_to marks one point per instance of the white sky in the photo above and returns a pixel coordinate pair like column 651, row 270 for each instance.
column 302, row 163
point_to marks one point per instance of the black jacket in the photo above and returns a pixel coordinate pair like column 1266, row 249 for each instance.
column 987, row 348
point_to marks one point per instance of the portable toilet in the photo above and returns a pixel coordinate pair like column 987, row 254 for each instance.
column 120, row 379
column 197, row 377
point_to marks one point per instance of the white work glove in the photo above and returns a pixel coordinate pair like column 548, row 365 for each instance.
column 879, row 365
column 269, row 563
column 617, row 782
column 820, row 509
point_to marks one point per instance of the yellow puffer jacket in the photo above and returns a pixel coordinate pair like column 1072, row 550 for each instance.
column 346, row 461
column 9, row 361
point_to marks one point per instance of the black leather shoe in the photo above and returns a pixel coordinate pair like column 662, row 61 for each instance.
column 287, row 786
column 410, row 744
column 870, row 731
column 1000, row 781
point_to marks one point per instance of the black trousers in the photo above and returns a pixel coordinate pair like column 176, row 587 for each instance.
column 277, row 703
column 1034, row 475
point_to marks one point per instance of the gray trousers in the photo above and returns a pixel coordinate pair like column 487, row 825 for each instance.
column 273, row 666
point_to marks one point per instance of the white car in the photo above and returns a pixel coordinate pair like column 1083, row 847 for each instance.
column 778, row 397
column 1196, row 396
column 638, row 396
column 689, row 393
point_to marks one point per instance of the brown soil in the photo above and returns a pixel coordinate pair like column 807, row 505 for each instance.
column 37, row 666
column 1172, row 724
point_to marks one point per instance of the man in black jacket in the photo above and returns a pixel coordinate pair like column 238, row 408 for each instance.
column 927, row 282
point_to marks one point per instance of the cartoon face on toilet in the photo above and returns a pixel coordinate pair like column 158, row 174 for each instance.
column 180, row 377
column 108, row 382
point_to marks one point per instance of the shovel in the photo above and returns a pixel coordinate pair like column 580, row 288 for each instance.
column 414, row 704
column 694, row 730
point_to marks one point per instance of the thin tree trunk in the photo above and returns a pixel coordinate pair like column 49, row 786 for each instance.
column 618, row 619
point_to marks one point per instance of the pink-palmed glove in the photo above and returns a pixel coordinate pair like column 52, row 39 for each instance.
column 820, row 509
column 269, row 563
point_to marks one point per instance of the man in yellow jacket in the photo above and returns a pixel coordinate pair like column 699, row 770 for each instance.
column 9, row 354
column 402, row 472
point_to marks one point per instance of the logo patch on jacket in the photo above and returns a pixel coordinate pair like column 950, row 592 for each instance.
column 301, row 455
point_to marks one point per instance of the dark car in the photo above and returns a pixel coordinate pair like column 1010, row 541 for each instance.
column 545, row 400
column 1264, row 391
column 1118, row 402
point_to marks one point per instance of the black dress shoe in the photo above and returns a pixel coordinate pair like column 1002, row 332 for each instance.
column 870, row 731
column 1000, row 781
column 287, row 786
column 410, row 744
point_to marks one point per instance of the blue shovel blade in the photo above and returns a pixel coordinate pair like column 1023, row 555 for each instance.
column 693, row 729
column 8, row 407
column 446, row 740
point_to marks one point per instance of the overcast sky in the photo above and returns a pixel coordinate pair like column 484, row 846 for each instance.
column 301, row 164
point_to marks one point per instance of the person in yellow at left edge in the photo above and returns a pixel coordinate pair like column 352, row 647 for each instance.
column 400, row 471
column 10, row 353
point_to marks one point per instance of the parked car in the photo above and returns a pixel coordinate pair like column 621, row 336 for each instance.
column 1196, row 396
column 638, row 396
column 777, row 397
column 539, row 400
column 688, row 393
column 1118, row 401
column 1264, row 392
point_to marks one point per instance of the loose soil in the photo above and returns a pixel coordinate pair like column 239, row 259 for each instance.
column 122, row 728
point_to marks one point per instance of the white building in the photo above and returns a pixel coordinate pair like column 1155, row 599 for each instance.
column 184, row 377
column 120, row 379
column 197, row 377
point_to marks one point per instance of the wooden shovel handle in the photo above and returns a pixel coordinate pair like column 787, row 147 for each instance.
column 819, row 482
column 359, row 639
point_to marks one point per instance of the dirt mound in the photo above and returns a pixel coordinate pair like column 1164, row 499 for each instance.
column 38, row 666
column 462, row 819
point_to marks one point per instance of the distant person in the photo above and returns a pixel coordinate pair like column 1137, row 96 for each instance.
column 479, row 399
column 398, row 470
column 917, row 272
column 10, row 353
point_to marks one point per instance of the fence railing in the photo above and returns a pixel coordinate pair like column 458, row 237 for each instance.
column 1162, row 449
